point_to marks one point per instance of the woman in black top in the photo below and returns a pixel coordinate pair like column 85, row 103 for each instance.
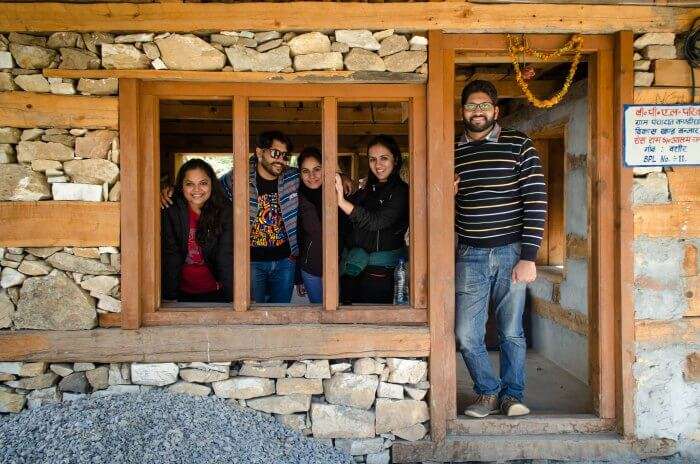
column 378, row 219
column 197, row 238
column 309, row 226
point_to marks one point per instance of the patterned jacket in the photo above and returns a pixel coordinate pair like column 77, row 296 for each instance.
column 287, row 189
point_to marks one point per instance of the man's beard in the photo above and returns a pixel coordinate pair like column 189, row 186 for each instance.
column 486, row 125
column 271, row 167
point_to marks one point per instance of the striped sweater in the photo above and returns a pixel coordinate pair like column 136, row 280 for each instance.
column 501, row 197
column 288, row 187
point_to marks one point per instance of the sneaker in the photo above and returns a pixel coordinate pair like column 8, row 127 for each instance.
column 483, row 406
column 512, row 407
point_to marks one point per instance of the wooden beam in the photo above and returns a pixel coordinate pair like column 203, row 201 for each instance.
column 241, row 218
column 59, row 223
column 214, row 343
column 601, row 289
column 510, row 89
column 317, row 77
column 375, row 112
column 568, row 318
column 440, row 174
column 663, row 95
column 264, row 314
column 686, row 330
column 131, row 178
column 674, row 73
column 677, row 219
column 329, row 216
column 28, row 109
column 289, row 128
column 531, row 425
column 297, row 16
column 625, row 350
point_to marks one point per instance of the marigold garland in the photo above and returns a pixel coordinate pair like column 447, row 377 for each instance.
column 518, row 45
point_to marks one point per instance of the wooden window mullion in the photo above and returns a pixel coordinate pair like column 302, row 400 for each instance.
column 330, row 204
column 241, row 241
column 418, row 204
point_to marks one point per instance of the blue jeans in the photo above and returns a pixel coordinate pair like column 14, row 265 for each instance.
column 483, row 276
column 314, row 287
column 272, row 281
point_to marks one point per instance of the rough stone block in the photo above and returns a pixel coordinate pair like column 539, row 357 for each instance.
column 399, row 414
column 244, row 387
column 660, row 52
column 359, row 447
column 291, row 386
column 287, row 404
column 654, row 38
column 11, row 402
column 319, row 369
column 651, row 189
column 35, row 383
column 406, row 370
column 379, row 458
column 351, row 390
column 267, row 369
column 330, row 61
column 357, row 38
column 78, row 192
column 156, row 374
column 297, row 422
column 390, row 390
column 37, row 398
column 334, row 421
column 98, row 378
column 202, row 376
column 311, row 42
column 189, row 52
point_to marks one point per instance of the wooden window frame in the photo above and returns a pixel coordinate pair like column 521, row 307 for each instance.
column 140, row 229
column 611, row 331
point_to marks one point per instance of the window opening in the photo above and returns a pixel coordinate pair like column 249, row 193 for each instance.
column 373, row 220
column 196, row 226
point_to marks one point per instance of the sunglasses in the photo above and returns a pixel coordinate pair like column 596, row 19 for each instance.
column 485, row 106
column 277, row 154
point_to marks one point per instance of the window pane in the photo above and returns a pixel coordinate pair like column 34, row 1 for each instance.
column 196, row 154
column 373, row 153
column 286, row 203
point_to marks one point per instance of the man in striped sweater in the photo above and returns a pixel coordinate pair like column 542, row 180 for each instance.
column 500, row 206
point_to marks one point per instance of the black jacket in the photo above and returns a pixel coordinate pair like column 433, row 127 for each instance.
column 380, row 218
column 310, row 233
column 218, row 252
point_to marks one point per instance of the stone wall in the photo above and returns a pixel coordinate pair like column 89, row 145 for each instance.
column 267, row 51
column 667, row 396
column 359, row 405
column 568, row 293
column 57, row 288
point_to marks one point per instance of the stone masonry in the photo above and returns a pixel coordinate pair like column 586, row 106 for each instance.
column 361, row 406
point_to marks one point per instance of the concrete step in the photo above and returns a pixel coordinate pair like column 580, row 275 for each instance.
column 530, row 425
column 564, row 447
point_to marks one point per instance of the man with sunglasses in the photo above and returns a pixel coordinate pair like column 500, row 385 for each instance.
column 273, row 201
column 500, row 207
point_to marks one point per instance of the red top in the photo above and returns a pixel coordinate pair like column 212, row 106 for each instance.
column 196, row 276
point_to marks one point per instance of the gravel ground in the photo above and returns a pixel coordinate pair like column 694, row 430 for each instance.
column 155, row 427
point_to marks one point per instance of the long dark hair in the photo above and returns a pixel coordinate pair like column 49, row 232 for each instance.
column 209, row 224
column 390, row 144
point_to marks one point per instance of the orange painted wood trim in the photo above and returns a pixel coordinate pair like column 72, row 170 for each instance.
column 29, row 110
column 59, row 223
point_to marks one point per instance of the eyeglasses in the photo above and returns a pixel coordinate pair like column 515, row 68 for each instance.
column 485, row 106
column 277, row 154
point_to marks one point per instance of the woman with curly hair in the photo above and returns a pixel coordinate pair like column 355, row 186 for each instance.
column 197, row 238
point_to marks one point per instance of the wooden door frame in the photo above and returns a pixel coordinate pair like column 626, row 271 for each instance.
column 611, row 332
